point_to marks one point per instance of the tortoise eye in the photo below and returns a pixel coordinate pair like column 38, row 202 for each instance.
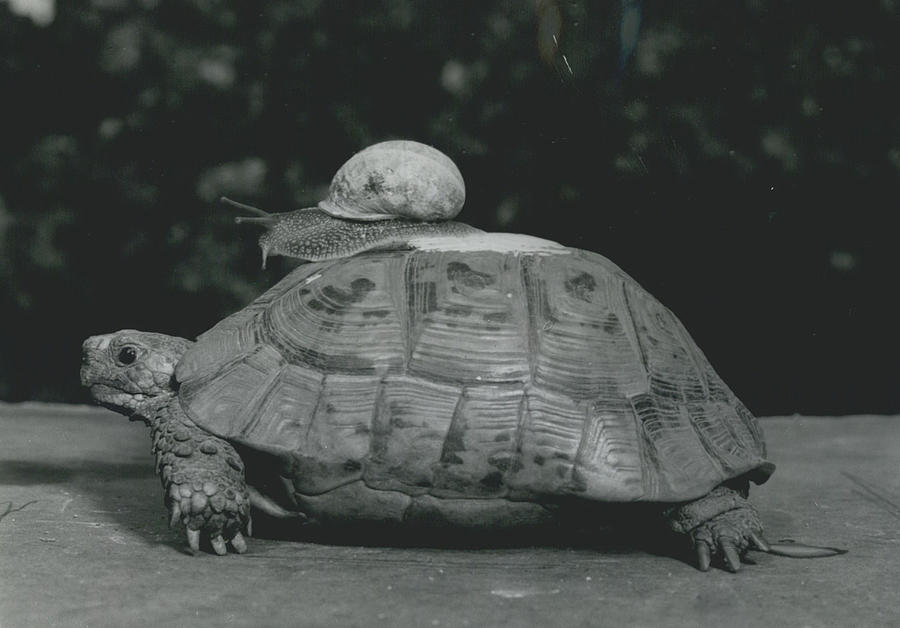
column 127, row 355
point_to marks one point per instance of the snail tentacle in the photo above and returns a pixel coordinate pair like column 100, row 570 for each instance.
column 250, row 208
column 262, row 217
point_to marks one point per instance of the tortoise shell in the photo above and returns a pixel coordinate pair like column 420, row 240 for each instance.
column 522, row 372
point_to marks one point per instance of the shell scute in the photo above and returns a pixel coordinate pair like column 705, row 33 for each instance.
column 468, row 320
column 609, row 460
column 412, row 419
column 675, row 460
column 584, row 343
column 346, row 320
column 724, row 436
column 548, row 442
column 257, row 398
column 224, row 397
column 481, row 443
column 339, row 435
column 278, row 416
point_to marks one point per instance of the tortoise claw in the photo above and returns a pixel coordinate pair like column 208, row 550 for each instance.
column 759, row 542
column 239, row 544
column 218, row 545
column 703, row 556
column 732, row 560
column 176, row 515
column 193, row 537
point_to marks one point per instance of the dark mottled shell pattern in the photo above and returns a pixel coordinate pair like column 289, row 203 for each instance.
column 478, row 374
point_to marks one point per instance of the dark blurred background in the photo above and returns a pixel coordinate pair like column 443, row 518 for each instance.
column 741, row 160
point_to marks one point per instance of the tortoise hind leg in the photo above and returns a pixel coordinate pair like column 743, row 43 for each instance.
column 720, row 524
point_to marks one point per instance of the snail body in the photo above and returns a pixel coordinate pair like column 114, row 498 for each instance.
column 313, row 235
column 384, row 196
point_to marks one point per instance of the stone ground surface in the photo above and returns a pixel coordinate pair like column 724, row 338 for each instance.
column 86, row 543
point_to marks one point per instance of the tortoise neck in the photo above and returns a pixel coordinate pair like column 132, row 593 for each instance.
column 153, row 412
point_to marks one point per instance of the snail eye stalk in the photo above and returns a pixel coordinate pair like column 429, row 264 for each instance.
column 262, row 217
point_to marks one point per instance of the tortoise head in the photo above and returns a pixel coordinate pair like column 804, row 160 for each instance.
column 127, row 369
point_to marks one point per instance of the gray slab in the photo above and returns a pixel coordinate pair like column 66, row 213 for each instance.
column 92, row 548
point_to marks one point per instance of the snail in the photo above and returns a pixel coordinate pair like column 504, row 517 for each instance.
column 382, row 197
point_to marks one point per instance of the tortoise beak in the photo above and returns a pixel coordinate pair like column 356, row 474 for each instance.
column 97, row 342
column 93, row 351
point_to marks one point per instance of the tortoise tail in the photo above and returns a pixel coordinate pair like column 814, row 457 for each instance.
column 799, row 550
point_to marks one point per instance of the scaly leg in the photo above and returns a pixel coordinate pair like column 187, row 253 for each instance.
column 203, row 478
column 722, row 523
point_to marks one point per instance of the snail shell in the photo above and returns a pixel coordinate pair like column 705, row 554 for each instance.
column 396, row 179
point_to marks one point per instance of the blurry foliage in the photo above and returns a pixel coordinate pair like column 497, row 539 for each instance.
column 739, row 165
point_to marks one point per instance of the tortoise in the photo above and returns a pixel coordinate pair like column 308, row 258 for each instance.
column 428, row 372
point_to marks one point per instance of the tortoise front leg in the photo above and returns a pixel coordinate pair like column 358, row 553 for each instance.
column 203, row 478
